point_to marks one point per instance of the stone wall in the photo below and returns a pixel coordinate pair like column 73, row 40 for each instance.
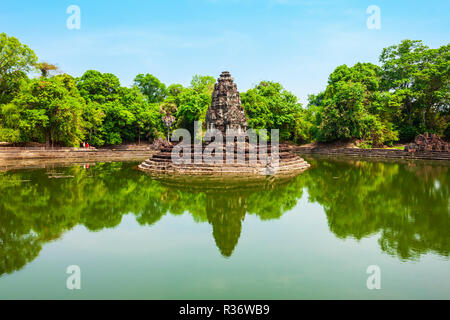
column 375, row 153
column 428, row 142
column 17, row 159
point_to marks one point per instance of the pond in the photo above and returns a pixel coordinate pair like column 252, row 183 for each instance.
column 312, row 236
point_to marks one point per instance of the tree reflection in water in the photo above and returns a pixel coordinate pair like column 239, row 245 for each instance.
column 406, row 203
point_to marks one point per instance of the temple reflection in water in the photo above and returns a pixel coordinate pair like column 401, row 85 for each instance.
column 359, row 198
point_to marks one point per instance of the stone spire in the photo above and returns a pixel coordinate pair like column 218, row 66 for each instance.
column 226, row 110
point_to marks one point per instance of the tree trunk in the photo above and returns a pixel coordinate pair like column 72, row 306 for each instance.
column 47, row 141
column 139, row 137
column 409, row 108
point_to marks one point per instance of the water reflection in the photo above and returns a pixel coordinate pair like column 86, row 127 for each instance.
column 406, row 203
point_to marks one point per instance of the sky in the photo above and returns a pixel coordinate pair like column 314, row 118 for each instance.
column 295, row 42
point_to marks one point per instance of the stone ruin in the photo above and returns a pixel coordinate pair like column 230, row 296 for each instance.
column 427, row 142
column 161, row 143
column 226, row 111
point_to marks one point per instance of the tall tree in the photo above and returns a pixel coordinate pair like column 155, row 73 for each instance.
column 194, row 102
column 418, row 78
column 48, row 110
column 352, row 107
column 116, row 114
column 16, row 59
column 270, row 106
column 151, row 87
column 98, row 87
column 46, row 68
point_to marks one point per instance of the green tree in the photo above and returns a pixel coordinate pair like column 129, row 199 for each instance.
column 194, row 102
column 48, row 110
column 151, row 87
column 174, row 90
column 352, row 107
column 146, row 122
column 98, row 87
column 270, row 106
column 16, row 60
column 45, row 68
column 116, row 114
column 203, row 83
column 418, row 78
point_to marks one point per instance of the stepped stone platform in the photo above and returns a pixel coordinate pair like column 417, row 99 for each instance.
column 289, row 164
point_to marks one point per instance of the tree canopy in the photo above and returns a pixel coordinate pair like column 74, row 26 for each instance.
column 16, row 59
column 47, row 110
column 418, row 79
column 269, row 105
column 151, row 87
column 353, row 107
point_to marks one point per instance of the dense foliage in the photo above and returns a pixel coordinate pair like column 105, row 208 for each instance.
column 408, row 95
column 47, row 110
column 353, row 107
column 378, row 105
column 269, row 106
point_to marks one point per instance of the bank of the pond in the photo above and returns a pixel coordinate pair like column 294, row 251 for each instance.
column 374, row 153
column 16, row 158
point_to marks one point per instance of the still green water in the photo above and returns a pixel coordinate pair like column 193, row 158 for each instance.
column 312, row 236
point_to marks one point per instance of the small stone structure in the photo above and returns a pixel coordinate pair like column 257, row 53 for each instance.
column 226, row 113
column 428, row 142
column 160, row 143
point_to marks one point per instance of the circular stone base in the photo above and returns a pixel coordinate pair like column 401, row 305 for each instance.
column 289, row 164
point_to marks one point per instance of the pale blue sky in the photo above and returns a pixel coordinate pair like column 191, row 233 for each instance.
column 295, row 42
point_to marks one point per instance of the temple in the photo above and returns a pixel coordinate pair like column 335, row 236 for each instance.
column 226, row 111
column 247, row 159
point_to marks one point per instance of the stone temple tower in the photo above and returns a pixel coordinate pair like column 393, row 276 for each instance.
column 226, row 111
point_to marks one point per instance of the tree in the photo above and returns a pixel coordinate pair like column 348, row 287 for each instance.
column 194, row 102
column 45, row 68
column 116, row 114
column 343, row 112
column 146, row 115
column 270, row 106
column 174, row 90
column 48, row 110
column 203, row 83
column 98, row 87
column 418, row 78
column 16, row 60
column 352, row 107
column 151, row 87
